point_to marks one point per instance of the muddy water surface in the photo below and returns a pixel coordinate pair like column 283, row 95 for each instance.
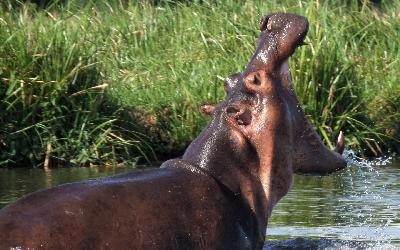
column 358, row 208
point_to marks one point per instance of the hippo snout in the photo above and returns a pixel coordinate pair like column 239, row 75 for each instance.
column 281, row 34
column 289, row 26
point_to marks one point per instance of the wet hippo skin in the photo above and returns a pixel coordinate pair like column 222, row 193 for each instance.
column 219, row 195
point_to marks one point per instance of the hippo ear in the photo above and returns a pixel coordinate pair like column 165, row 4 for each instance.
column 257, row 82
column 238, row 115
column 207, row 109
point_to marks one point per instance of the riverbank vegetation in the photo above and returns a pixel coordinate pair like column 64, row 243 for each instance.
column 111, row 82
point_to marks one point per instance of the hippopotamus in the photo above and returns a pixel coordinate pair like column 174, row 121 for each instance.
column 218, row 195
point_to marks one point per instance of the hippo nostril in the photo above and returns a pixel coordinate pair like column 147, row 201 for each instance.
column 265, row 23
column 257, row 80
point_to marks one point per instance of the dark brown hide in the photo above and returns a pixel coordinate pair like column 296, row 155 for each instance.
column 168, row 208
column 218, row 196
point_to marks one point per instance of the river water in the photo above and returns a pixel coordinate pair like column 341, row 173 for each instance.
column 357, row 208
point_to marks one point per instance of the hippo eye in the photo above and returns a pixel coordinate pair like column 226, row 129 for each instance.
column 241, row 115
column 232, row 110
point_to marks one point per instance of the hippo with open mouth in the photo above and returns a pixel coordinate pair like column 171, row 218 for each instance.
column 218, row 195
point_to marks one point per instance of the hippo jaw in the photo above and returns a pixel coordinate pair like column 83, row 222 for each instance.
column 310, row 155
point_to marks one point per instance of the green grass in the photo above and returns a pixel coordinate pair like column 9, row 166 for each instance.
column 105, row 83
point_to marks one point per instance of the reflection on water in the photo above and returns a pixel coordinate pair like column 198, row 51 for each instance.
column 357, row 208
column 14, row 183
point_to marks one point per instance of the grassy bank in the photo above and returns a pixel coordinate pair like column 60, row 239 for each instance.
column 105, row 83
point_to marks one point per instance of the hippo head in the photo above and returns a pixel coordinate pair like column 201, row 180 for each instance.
column 267, row 80
column 264, row 117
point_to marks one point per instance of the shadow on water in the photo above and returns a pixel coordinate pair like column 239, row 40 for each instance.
column 357, row 208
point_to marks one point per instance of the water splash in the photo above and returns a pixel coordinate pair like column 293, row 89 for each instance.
column 364, row 189
column 352, row 159
column 357, row 208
